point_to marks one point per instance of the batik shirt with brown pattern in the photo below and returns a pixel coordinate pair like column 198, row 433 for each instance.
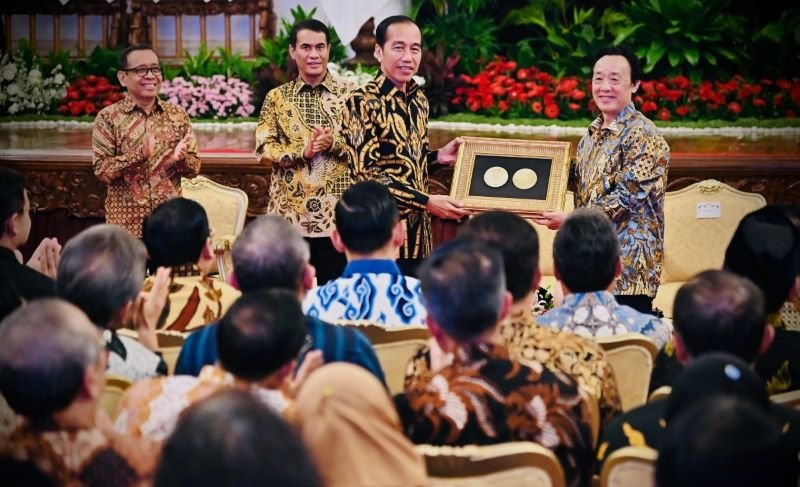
column 136, row 184
column 304, row 191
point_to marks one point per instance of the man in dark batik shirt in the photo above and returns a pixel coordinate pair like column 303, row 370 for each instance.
column 479, row 395
column 385, row 127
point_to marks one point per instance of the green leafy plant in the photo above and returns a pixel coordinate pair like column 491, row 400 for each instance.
column 565, row 37
column 696, row 38
column 218, row 61
column 100, row 62
column 776, row 47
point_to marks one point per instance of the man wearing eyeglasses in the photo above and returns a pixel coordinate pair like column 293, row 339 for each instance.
column 141, row 145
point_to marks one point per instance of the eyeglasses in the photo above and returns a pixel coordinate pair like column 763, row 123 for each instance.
column 142, row 71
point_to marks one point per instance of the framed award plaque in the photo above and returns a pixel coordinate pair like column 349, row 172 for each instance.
column 522, row 176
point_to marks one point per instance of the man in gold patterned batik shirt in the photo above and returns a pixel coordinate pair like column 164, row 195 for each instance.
column 385, row 126
column 298, row 133
column 621, row 168
column 141, row 145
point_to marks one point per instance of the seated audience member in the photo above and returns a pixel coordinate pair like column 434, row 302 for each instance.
column 101, row 271
column 586, row 261
column 270, row 253
column 716, row 311
column 57, row 392
column 258, row 341
column 483, row 396
column 232, row 440
column 177, row 236
column 372, row 288
column 766, row 249
column 344, row 405
column 35, row 279
column 582, row 358
column 725, row 441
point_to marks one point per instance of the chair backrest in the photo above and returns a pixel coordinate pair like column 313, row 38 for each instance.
column 662, row 392
column 790, row 399
column 630, row 466
column 116, row 386
column 517, row 464
column 699, row 221
column 631, row 356
column 169, row 344
column 394, row 346
column 594, row 411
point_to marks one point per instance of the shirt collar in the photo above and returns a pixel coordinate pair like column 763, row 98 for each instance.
column 388, row 88
column 128, row 104
column 617, row 124
column 327, row 83
column 371, row 266
column 603, row 298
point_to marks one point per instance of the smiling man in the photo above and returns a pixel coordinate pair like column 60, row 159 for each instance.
column 621, row 168
column 298, row 133
column 386, row 129
column 141, row 145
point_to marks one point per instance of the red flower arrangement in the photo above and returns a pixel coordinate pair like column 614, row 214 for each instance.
column 88, row 95
column 505, row 89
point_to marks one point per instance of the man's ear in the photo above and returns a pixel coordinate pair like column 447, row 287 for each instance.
column 537, row 279
column 232, row 279
column 766, row 339
column 681, row 352
column 10, row 225
column 399, row 233
column 378, row 53
column 445, row 343
column 505, row 307
column 309, row 277
column 336, row 240
column 208, row 249
column 618, row 268
column 635, row 86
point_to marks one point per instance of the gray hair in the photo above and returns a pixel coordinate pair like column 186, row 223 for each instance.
column 270, row 253
column 101, row 270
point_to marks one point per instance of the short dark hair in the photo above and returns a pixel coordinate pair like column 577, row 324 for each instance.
column 37, row 385
column 383, row 27
column 269, row 253
column 463, row 284
column 633, row 60
column 233, row 439
column 366, row 215
column 718, row 311
column 308, row 24
column 262, row 331
column 100, row 271
column 517, row 241
column 175, row 233
column 725, row 441
column 12, row 193
column 123, row 57
column 586, row 251
column 765, row 248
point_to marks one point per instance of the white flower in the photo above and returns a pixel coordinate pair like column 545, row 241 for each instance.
column 58, row 79
column 35, row 76
column 14, row 108
column 12, row 89
column 9, row 72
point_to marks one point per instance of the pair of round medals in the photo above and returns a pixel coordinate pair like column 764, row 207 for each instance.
column 496, row 176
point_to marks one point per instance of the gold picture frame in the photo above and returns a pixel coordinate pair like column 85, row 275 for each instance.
column 522, row 176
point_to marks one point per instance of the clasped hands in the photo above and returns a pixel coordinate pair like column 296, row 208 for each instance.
column 321, row 140
column 178, row 154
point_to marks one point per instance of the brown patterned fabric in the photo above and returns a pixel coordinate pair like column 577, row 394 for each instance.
column 485, row 397
column 304, row 192
column 137, row 185
column 581, row 358
column 386, row 132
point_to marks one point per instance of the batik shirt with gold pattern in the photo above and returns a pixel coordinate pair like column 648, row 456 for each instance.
column 386, row 132
column 136, row 184
column 581, row 358
column 305, row 192
column 622, row 170
column 485, row 397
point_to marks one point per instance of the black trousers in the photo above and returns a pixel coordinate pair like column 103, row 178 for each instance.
column 640, row 302
column 328, row 261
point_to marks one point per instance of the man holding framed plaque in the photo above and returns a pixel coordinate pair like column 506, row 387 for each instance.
column 385, row 126
column 621, row 168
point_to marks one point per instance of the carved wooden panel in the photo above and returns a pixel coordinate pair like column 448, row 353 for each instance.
column 79, row 192
column 198, row 7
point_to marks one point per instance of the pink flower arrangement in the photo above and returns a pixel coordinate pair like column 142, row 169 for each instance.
column 214, row 97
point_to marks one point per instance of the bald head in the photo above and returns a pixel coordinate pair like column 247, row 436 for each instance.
column 65, row 342
column 270, row 253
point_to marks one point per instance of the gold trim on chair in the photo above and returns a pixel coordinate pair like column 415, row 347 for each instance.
column 790, row 399
column 659, row 394
column 632, row 356
column 116, row 385
column 630, row 466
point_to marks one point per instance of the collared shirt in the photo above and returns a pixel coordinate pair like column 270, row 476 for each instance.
column 82, row 457
column 129, row 358
column 136, row 185
column 581, row 358
column 386, row 132
column 194, row 300
column 151, row 408
column 304, row 192
column 484, row 397
column 338, row 344
column 622, row 170
column 598, row 314
column 373, row 290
